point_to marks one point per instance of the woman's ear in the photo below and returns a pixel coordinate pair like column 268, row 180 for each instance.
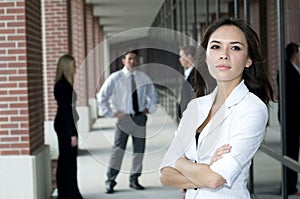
column 248, row 63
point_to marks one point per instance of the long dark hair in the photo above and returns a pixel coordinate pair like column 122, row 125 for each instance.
column 201, row 86
column 255, row 76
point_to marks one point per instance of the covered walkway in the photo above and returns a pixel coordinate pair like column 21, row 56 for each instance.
column 35, row 33
column 96, row 145
column 95, row 150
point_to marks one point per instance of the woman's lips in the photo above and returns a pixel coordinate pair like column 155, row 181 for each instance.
column 223, row 67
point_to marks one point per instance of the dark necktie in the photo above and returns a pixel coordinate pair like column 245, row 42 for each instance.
column 135, row 102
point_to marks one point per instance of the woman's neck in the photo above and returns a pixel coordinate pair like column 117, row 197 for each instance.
column 224, row 90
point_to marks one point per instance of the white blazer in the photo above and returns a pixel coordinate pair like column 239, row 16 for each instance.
column 240, row 122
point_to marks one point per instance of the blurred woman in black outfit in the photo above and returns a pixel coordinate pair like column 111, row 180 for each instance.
column 65, row 127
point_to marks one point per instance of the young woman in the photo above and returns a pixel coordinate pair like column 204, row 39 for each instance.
column 64, row 125
column 219, row 133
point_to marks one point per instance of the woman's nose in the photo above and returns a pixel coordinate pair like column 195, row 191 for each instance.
column 224, row 56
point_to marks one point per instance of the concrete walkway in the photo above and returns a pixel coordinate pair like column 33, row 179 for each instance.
column 92, row 161
column 95, row 151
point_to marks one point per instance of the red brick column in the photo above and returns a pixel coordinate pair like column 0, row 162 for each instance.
column 272, row 41
column 99, row 54
column 79, row 51
column 292, row 33
column 21, row 102
column 56, row 42
column 91, row 60
column 22, row 149
column 90, row 44
column 97, row 40
column 99, row 57
column 292, row 25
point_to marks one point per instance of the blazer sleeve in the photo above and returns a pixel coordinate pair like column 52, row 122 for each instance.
column 246, row 134
column 183, row 136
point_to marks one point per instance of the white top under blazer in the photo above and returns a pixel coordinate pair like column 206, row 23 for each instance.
column 240, row 122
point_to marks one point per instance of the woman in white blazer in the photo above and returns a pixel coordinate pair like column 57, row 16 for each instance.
column 219, row 133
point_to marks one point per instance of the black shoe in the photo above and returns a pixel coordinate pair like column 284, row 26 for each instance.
column 109, row 187
column 136, row 185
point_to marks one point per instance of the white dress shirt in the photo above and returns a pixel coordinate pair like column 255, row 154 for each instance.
column 187, row 72
column 296, row 67
column 116, row 94
column 240, row 122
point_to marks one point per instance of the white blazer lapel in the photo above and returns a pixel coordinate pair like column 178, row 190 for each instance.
column 211, row 133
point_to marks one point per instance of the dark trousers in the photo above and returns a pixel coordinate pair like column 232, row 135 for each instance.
column 292, row 142
column 66, row 173
column 135, row 126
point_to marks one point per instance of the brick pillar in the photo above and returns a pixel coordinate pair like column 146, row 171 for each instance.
column 56, row 42
column 22, row 149
column 272, row 55
column 79, row 51
column 97, row 41
column 99, row 50
column 91, row 60
column 99, row 74
column 272, row 40
column 292, row 24
column 99, row 57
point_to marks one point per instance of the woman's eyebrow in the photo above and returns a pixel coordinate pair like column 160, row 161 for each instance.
column 214, row 41
column 237, row 42
column 233, row 42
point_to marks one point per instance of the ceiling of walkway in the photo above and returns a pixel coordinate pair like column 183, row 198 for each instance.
column 123, row 16
column 117, row 16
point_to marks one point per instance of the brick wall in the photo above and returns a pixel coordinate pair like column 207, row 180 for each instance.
column 292, row 33
column 101, row 54
column 292, row 22
column 90, row 44
column 21, row 112
column 272, row 41
column 79, row 49
column 56, row 43
column 98, row 34
column 34, row 73
column 254, row 16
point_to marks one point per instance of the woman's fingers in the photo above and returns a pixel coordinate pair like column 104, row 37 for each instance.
column 223, row 149
column 220, row 152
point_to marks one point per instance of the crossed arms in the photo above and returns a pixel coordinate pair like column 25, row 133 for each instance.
column 187, row 174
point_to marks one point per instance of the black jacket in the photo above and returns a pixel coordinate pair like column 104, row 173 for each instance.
column 187, row 93
column 66, row 116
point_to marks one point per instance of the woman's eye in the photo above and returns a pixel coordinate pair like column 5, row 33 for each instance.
column 236, row 48
column 214, row 47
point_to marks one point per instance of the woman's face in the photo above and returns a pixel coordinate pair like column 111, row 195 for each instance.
column 227, row 54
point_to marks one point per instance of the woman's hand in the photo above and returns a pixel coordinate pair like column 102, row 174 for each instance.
column 74, row 141
column 181, row 160
column 220, row 152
